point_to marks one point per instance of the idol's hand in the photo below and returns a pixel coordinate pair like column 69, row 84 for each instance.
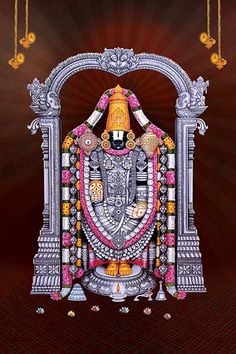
column 136, row 211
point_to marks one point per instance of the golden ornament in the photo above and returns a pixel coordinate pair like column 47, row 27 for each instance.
column 118, row 114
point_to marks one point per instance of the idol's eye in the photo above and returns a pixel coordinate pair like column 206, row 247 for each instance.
column 88, row 142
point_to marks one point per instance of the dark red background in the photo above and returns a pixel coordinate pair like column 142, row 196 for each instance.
column 169, row 28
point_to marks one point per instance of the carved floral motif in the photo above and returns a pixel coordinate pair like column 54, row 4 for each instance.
column 44, row 103
column 118, row 59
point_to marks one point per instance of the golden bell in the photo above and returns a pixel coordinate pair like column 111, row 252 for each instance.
column 118, row 114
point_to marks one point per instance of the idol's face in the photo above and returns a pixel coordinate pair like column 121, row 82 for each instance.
column 118, row 139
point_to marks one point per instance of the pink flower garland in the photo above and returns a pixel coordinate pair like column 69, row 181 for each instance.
column 103, row 102
column 80, row 273
column 117, row 152
column 133, row 101
column 66, row 236
column 170, row 177
column 157, row 131
column 81, row 129
column 66, row 175
column 66, row 276
column 170, row 239
column 170, row 274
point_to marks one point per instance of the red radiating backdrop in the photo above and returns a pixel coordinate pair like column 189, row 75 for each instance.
column 170, row 28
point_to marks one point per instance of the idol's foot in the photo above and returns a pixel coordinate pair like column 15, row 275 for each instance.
column 124, row 268
column 112, row 268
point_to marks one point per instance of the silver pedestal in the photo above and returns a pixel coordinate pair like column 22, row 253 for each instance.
column 119, row 287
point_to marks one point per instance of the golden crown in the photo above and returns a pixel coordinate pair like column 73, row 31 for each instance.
column 118, row 114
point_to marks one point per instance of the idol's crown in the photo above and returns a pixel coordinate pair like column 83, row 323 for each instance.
column 118, row 114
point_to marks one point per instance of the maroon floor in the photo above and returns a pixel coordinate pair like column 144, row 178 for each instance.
column 203, row 323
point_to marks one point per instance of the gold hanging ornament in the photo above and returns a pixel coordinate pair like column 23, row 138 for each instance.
column 18, row 58
column 29, row 37
column 216, row 58
column 205, row 38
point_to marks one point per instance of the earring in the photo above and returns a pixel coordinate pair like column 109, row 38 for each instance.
column 105, row 140
column 130, row 144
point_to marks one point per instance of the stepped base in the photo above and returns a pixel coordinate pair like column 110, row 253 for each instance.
column 119, row 287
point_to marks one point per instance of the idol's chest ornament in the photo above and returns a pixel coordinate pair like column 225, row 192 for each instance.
column 122, row 200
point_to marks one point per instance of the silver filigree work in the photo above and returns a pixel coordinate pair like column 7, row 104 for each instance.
column 118, row 60
column 189, row 105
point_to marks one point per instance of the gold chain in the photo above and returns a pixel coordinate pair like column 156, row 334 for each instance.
column 219, row 28
column 208, row 17
column 15, row 28
column 26, row 18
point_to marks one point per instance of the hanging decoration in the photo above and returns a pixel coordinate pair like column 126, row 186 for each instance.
column 29, row 37
column 208, row 41
column 18, row 58
column 216, row 58
column 205, row 37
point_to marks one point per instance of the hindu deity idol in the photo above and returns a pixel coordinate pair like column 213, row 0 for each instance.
column 118, row 202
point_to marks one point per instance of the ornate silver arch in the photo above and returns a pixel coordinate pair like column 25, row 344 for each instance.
column 189, row 105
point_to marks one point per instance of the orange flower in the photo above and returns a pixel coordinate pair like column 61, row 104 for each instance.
column 77, row 185
column 79, row 242
column 78, row 205
column 78, row 262
column 170, row 207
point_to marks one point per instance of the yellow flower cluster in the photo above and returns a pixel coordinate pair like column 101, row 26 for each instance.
column 169, row 142
column 170, row 207
column 66, row 209
column 67, row 142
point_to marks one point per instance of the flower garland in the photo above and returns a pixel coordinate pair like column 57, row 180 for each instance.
column 71, row 206
column 165, row 245
column 71, row 213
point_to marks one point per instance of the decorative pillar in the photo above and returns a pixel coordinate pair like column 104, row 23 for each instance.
column 47, row 271
column 189, row 263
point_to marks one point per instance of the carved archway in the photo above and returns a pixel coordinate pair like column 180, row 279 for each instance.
column 189, row 105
